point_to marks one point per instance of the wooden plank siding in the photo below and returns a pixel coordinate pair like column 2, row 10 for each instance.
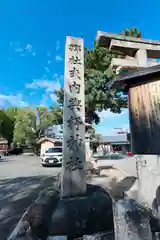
column 144, row 108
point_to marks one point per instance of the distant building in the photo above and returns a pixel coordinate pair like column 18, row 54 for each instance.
column 120, row 142
column 3, row 146
column 45, row 143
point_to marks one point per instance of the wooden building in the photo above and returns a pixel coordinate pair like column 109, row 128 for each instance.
column 3, row 146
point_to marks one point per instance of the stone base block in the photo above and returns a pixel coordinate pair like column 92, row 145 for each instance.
column 73, row 217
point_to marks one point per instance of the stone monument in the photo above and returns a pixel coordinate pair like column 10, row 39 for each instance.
column 81, row 206
column 73, row 181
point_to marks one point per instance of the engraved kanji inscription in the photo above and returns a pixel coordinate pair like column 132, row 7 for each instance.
column 74, row 143
column 74, row 121
column 74, row 73
column 75, row 86
column 74, row 103
column 74, row 47
column 75, row 60
column 74, row 164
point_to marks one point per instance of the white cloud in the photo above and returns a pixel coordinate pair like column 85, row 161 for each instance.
column 49, row 62
column 14, row 100
column 43, row 100
column 47, row 69
column 34, row 54
column 2, row 102
column 48, row 85
column 28, row 47
column 57, row 45
column 59, row 58
column 53, row 97
column 17, row 47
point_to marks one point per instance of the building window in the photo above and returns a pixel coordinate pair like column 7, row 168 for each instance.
column 58, row 144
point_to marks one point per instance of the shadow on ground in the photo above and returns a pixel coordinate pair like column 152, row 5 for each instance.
column 5, row 160
column 15, row 197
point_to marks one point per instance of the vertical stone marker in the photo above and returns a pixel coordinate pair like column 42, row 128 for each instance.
column 73, row 179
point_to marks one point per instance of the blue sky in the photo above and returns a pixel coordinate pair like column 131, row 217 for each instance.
column 32, row 38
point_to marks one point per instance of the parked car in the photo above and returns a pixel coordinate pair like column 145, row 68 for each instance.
column 52, row 157
column 114, row 156
column 15, row 151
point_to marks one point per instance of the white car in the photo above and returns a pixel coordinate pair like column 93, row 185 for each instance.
column 52, row 157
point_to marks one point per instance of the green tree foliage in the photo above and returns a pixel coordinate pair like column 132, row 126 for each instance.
column 46, row 118
column 133, row 32
column 95, row 141
column 11, row 113
column 25, row 124
column 97, row 96
column 7, row 122
column 57, row 114
column 31, row 124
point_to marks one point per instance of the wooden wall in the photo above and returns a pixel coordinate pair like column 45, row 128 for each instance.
column 144, row 106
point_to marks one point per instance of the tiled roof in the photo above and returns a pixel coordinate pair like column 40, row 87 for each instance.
column 49, row 139
column 3, row 140
column 116, row 138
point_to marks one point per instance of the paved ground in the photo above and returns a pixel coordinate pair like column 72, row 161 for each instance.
column 21, row 180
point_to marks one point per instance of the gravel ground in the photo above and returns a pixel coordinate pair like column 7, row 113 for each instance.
column 21, row 180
